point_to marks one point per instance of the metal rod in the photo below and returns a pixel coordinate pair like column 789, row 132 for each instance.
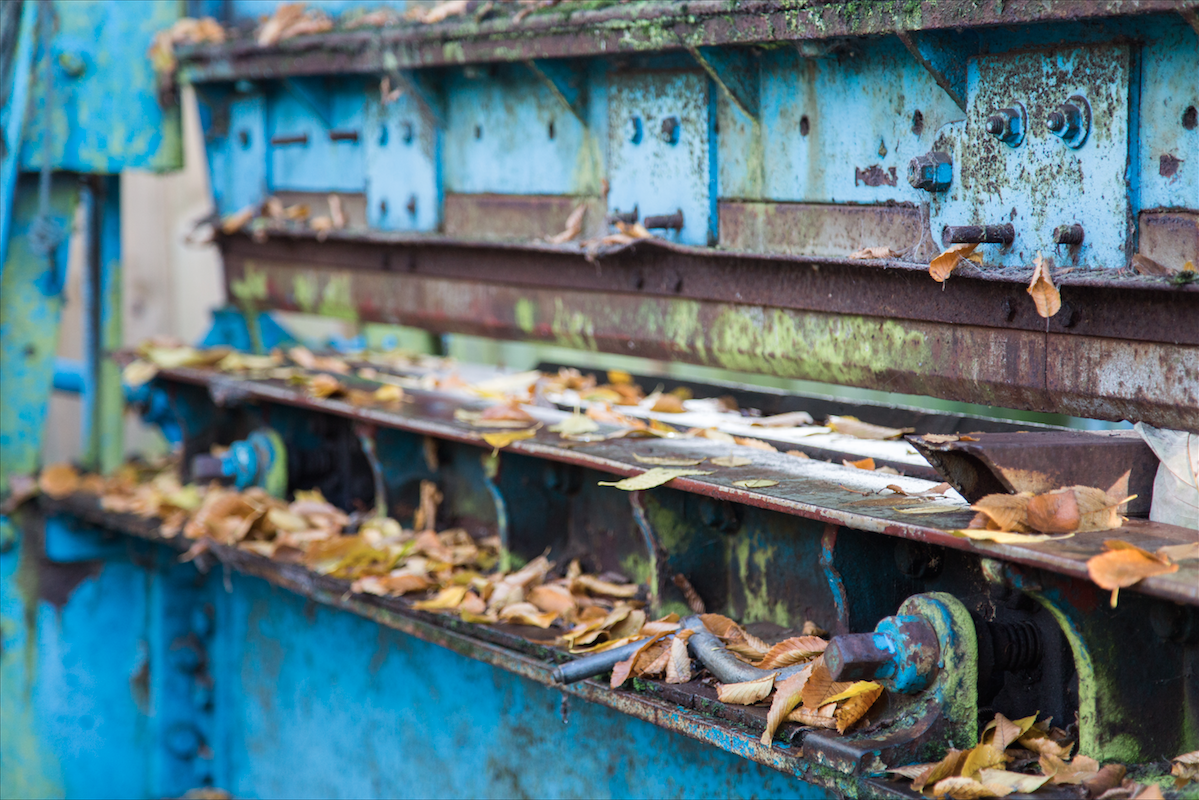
column 279, row 141
column 598, row 664
column 343, row 136
column 672, row 221
column 1068, row 234
column 978, row 234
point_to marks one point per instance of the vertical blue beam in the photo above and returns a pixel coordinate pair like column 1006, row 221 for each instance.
column 14, row 123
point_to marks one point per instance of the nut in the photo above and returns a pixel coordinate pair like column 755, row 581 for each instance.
column 932, row 172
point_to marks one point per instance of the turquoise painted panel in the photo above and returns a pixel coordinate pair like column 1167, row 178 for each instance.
column 30, row 305
column 237, row 149
column 329, row 704
column 104, row 109
column 315, row 108
column 402, row 147
column 661, row 143
column 507, row 132
column 1169, row 151
column 858, row 112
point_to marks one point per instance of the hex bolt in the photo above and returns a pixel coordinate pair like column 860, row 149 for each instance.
column 1071, row 121
column 626, row 217
column 1068, row 234
column 670, row 130
column 931, row 172
column 1007, row 125
column 903, row 651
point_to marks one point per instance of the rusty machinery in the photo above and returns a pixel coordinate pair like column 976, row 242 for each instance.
column 761, row 143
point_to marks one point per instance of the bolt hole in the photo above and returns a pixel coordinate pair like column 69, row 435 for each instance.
column 1190, row 118
column 551, row 129
column 804, row 125
column 640, row 282
column 478, row 131
column 383, row 207
column 243, row 137
column 917, row 122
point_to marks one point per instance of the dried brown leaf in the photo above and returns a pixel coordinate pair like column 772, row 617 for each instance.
column 874, row 252
column 854, row 702
column 557, row 599
column 1124, row 565
column 1185, row 768
column 527, row 614
column 668, row 461
column 948, row 767
column 786, row 697
column 852, row 426
column 943, row 265
column 694, row 601
column 729, row 461
column 1082, row 768
column 590, row 584
column 747, row 693
column 1044, row 294
column 652, row 478
column 678, row 665
column 756, row 483
column 960, row 788
column 864, row 463
column 1005, row 512
column 793, row 651
column 58, row 480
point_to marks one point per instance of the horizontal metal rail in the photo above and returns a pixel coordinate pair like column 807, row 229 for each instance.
column 806, row 487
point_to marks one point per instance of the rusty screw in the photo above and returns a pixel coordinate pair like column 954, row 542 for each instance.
column 978, row 234
column 1068, row 234
column 903, row 651
column 670, row 130
column 1007, row 125
column 670, row 221
column 931, row 172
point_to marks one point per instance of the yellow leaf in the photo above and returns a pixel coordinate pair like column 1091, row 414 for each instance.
column 668, row 404
column 447, row 599
column 652, row 478
column 619, row 376
column 1002, row 731
column 852, row 426
column 527, row 614
column 983, row 756
column 138, row 372
column 389, row 393
column 668, row 461
column 786, row 698
column 1044, row 294
column 854, row 707
column 500, row 439
column 748, row 692
column 942, row 266
column 729, row 461
column 947, row 767
column 755, row 483
column 324, row 386
column 859, row 687
column 575, row 425
column 58, row 480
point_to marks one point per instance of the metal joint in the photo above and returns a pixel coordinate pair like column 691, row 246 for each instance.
column 978, row 234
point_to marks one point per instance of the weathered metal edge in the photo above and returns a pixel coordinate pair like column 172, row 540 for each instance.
column 435, row 629
column 1177, row 586
column 888, row 288
column 566, row 32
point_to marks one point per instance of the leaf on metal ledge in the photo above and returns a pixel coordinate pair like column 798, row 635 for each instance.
column 1044, row 294
column 748, row 692
column 756, row 483
column 668, row 461
column 652, row 478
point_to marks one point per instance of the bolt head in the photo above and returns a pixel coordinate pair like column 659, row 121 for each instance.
column 1056, row 122
column 670, row 130
column 996, row 125
column 931, row 172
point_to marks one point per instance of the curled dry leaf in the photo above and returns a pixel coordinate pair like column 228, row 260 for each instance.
column 678, row 665
column 949, row 766
column 1001, row 731
column 1012, row 781
column 668, row 404
column 1044, row 294
column 756, row 444
column 557, row 599
column 652, row 478
column 232, row 223
column 1124, row 565
column 692, row 598
column 864, row 463
column 1003, row 537
column 1185, row 768
column 942, row 266
column 590, row 584
column 854, row 702
column 509, row 412
column 324, row 386
column 574, row 226
column 729, row 461
column 1003, row 512
column 447, row 599
column 1108, row 777
column 795, row 650
column 787, row 696
column 58, row 481
column 1082, row 768
column 748, row 692
column 960, row 788
column 527, row 614
column 852, row 426
column 575, row 425
column 790, row 419
column 645, row 655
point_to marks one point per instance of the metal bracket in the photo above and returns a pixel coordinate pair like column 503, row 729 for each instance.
column 735, row 71
column 419, row 86
column 311, row 93
column 566, row 81
column 943, row 55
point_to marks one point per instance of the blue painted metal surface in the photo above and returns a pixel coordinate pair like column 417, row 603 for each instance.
column 12, row 120
column 402, row 142
column 316, row 111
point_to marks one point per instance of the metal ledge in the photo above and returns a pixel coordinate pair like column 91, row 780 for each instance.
column 690, row 709
column 568, row 31
column 812, row 489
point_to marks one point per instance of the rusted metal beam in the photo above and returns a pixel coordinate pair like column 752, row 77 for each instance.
column 806, row 487
column 978, row 341
column 572, row 32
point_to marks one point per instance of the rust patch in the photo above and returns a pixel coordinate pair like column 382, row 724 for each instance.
column 874, row 175
column 1168, row 165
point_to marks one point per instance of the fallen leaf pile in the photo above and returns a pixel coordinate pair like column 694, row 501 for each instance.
column 289, row 20
column 1063, row 511
column 994, row 767
column 187, row 30
column 272, row 217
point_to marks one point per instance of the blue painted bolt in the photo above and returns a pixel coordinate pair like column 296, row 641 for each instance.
column 1007, row 125
column 633, row 130
column 903, row 651
column 182, row 740
column 932, row 172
